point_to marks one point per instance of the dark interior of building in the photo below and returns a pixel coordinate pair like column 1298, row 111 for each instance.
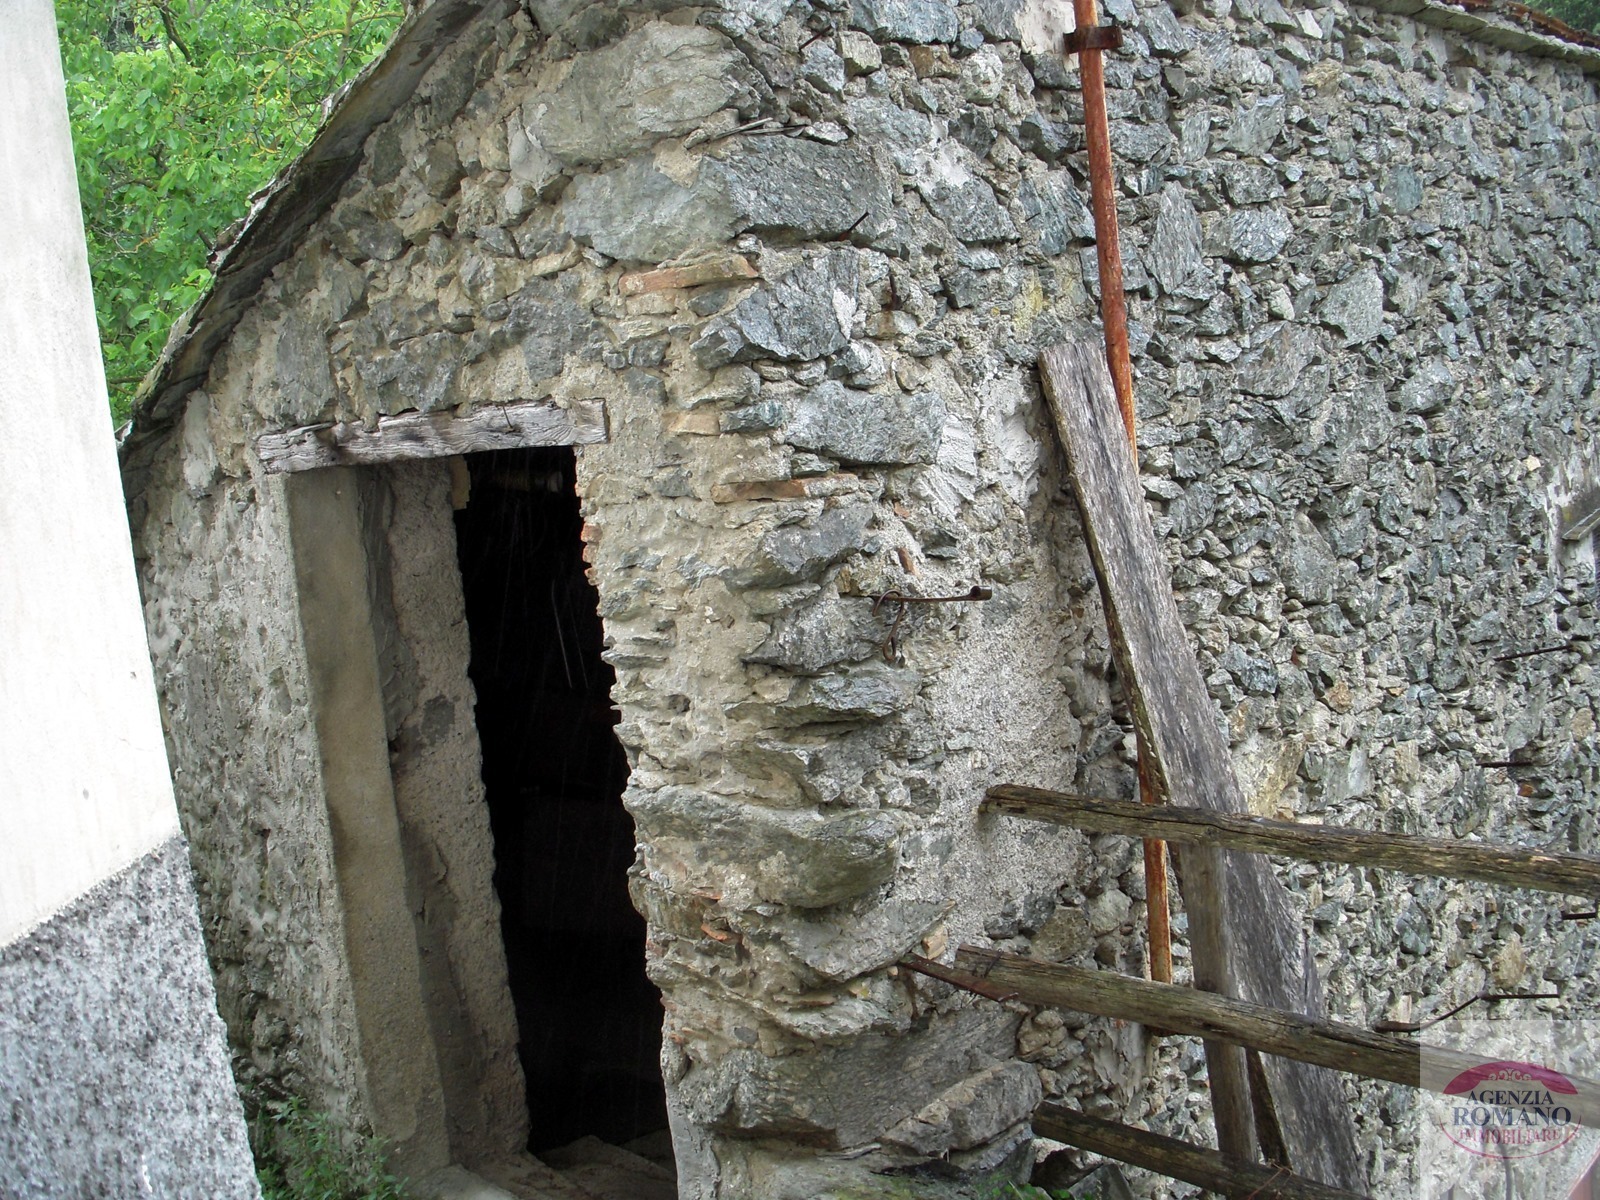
column 590, row 1021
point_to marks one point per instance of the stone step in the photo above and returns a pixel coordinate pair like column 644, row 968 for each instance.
column 454, row 1183
column 526, row 1178
column 607, row 1181
column 611, row 1173
column 657, row 1147
column 590, row 1149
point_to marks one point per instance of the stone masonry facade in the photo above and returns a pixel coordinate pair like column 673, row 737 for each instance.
column 807, row 255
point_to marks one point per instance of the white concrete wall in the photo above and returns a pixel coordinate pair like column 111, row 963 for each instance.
column 84, row 789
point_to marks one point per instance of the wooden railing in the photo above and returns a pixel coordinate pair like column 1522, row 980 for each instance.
column 1266, row 1062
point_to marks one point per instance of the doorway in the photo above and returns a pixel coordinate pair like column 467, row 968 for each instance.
column 588, row 1019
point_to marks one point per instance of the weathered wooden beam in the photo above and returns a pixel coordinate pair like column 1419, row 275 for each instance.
column 1244, row 935
column 1288, row 1035
column 1564, row 874
column 416, row 435
column 1177, row 1159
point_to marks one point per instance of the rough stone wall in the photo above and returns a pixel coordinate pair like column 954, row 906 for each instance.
column 1369, row 375
column 1364, row 352
column 218, row 579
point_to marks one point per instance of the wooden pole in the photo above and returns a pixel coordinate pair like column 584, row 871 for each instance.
column 1165, row 692
column 1114, row 317
column 1237, row 1022
column 1246, row 936
column 1157, row 889
column 1178, row 1159
column 1563, row 874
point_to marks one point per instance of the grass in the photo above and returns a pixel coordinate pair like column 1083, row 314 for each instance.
column 303, row 1155
column 1028, row 1191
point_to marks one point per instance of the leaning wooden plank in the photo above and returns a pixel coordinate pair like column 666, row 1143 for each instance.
column 417, row 435
column 1289, row 1035
column 1564, row 874
column 1244, row 934
column 1179, row 1160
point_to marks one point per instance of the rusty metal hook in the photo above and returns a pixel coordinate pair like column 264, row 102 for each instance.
column 890, row 643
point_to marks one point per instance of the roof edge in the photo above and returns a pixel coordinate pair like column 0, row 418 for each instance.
column 295, row 199
column 1506, row 24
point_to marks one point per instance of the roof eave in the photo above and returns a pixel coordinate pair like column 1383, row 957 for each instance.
column 282, row 211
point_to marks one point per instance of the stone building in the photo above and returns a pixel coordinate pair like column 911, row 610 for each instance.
column 568, row 405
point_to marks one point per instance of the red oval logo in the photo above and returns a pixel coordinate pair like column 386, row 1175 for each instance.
column 1509, row 1110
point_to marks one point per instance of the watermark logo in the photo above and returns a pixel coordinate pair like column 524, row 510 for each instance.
column 1507, row 1110
column 1510, row 1109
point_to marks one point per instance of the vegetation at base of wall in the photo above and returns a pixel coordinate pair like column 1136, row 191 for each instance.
column 180, row 110
column 1026, row 1191
column 303, row 1155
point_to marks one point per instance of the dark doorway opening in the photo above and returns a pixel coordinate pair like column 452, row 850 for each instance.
column 588, row 1018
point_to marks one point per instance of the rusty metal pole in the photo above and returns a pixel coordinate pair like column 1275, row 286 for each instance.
column 1088, row 40
column 1230, row 1086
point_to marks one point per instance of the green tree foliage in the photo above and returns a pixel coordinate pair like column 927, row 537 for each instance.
column 1580, row 14
column 181, row 109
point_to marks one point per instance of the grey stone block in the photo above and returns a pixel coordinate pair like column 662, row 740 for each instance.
column 1427, row 391
column 1274, row 366
column 821, row 635
column 1174, row 253
column 975, row 1110
column 1250, row 183
column 1403, row 186
column 1056, row 211
column 635, row 213
column 660, row 81
column 1355, row 307
column 801, row 187
column 792, row 857
column 801, row 316
column 1140, row 141
column 879, row 121
column 867, row 427
column 1258, row 235
column 754, row 418
column 1047, row 139
column 869, row 693
column 798, row 553
column 844, row 947
column 966, row 204
column 441, row 169
column 550, row 324
column 1307, row 563
column 823, row 67
column 360, row 236
column 847, row 1096
column 1255, row 128
column 917, row 21
column 1167, row 37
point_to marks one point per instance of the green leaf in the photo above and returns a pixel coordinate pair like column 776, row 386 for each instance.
column 170, row 148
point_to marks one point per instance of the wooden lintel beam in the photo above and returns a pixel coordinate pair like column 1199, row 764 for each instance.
column 1184, row 1010
column 415, row 435
column 1177, row 1159
column 1563, row 874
